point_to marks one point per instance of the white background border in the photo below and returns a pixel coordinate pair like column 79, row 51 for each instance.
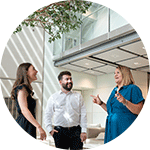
column 135, row 12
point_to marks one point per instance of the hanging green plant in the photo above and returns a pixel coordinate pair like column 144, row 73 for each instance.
column 57, row 18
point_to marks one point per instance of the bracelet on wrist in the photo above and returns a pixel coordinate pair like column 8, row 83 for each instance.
column 101, row 103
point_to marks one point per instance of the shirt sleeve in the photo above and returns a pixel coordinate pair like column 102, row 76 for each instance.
column 136, row 96
column 49, row 114
column 83, row 121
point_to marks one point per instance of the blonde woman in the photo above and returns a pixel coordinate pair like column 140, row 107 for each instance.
column 22, row 93
column 123, row 105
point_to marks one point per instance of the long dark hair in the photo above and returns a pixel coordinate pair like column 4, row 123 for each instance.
column 22, row 78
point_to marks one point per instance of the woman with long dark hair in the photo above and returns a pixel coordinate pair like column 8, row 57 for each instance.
column 22, row 93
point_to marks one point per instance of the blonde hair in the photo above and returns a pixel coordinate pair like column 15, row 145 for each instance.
column 127, row 77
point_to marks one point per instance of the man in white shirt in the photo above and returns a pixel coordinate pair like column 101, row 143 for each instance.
column 69, row 112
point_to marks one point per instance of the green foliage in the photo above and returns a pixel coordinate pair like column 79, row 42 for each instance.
column 57, row 18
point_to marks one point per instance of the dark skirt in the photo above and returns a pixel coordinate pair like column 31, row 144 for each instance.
column 26, row 125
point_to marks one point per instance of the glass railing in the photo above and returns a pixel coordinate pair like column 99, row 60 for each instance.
column 57, row 46
column 72, row 39
column 116, row 21
column 95, row 25
column 98, row 21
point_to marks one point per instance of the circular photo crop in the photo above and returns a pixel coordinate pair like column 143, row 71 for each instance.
column 74, row 75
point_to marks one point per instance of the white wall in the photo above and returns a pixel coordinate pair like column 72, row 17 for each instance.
column 105, row 85
column 95, row 113
column 26, row 46
column 141, row 80
column 51, row 85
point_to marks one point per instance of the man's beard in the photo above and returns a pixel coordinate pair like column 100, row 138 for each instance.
column 65, row 86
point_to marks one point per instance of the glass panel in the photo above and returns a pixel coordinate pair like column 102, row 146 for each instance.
column 57, row 49
column 91, row 10
column 95, row 25
column 72, row 39
column 116, row 21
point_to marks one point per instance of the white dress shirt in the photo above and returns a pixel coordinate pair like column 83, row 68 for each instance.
column 68, row 110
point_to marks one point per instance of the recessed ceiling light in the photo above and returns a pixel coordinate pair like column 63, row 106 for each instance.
column 136, row 63
column 87, row 64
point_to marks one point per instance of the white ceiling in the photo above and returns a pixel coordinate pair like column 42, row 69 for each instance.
column 137, row 62
column 132, row 55
column 136, row 47
column 73, row 67
column 87, row 63
column 106, row 69
column 114, row 55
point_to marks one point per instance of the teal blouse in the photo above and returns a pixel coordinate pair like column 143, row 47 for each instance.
column 119, row 116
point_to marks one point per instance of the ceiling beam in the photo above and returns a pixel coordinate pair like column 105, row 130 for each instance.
column 110, row 44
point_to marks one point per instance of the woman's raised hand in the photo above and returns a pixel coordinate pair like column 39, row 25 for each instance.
column 120, row 98
column 96, row 99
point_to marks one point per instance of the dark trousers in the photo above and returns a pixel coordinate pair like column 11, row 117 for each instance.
column 68, row 138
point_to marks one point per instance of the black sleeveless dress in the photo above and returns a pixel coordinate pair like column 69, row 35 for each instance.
column 21, row 120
